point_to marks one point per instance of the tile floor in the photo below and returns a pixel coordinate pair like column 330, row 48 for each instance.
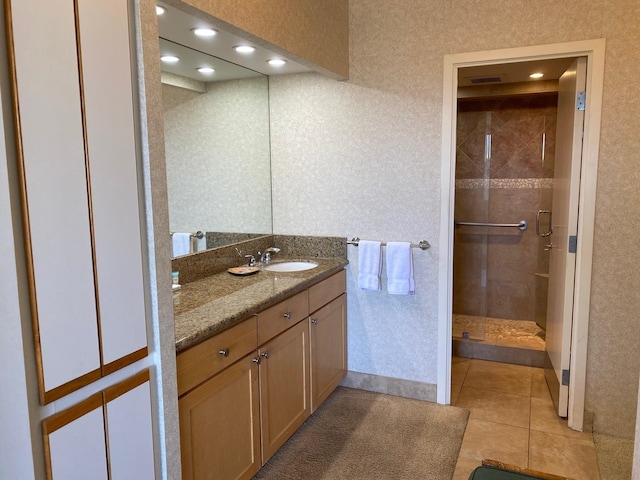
column 513, row 420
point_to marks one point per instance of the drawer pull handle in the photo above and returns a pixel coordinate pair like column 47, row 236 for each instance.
column 224, row 352
column 265, row 354
column 314, row 321
column 256, row 360
column 287, row 315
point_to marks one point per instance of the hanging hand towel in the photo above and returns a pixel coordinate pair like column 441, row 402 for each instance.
column 369, row 265
column 181, row 244
column 400, row 269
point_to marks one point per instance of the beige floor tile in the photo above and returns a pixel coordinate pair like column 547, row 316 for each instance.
column 455, row 393
column 544, row 418
column 495, row 441
column 464, row 467
column 565, row 456
column 499, row 377
column 459, row 368
column 539, row 388
column 499, row 407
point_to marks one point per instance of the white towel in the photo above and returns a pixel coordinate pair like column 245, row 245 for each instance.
column 181, row 244
column 369, row 265
column 201, row 244
column 400, row 269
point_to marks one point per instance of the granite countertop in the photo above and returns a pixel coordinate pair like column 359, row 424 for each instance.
column 213, row 304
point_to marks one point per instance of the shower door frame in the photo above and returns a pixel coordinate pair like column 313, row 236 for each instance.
column 594, row 50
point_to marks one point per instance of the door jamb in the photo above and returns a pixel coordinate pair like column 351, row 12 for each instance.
column 594, row 50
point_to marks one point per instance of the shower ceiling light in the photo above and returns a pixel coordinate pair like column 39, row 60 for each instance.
column 206, row 70
column 536, row 75
column 169, row 58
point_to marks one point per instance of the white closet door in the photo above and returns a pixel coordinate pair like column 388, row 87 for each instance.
column 52, row 153
column 130, row 432
column 77, row 450
column 108, row 95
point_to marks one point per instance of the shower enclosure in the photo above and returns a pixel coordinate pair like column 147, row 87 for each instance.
column 504, row 177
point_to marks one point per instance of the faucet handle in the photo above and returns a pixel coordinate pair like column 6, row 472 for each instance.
column 252, row 260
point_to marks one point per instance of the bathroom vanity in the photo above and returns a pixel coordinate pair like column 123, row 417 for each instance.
column 256, row 355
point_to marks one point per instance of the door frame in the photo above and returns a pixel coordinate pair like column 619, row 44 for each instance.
column 594, row 50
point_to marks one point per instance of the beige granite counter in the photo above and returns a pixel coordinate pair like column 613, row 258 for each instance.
column 210, row 305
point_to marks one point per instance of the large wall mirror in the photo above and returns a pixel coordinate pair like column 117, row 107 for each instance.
column 216, row 140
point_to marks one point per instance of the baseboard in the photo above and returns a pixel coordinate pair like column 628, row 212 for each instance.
column 391, row 386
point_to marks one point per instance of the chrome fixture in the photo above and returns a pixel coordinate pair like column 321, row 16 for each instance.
column 266, row 256
column 522, row 225
column 423, row 244
column 546, row 234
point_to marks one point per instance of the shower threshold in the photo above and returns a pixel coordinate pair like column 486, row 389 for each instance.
column 510, row 341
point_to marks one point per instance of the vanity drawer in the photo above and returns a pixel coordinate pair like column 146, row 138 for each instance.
column 325, row 291
column 202, row 361
column 281, row 316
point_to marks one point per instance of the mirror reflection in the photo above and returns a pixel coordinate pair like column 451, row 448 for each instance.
column 216, row 147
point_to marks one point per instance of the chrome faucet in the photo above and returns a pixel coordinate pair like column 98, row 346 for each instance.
column 266, row 256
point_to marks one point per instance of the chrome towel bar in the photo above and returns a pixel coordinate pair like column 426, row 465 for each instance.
column 197, row 234
column 423, row 244
column 521, row 226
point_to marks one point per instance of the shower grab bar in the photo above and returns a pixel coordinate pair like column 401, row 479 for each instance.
column 523, row 225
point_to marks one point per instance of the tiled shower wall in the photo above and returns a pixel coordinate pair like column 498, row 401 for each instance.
column 503, row 179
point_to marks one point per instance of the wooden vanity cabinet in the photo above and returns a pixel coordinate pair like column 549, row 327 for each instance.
column 245, row 391
column 219, row 427
column 328, row 336
column 284, row 387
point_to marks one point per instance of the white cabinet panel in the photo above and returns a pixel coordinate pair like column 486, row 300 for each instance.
column 77, row 451
column 108, row 94
column 51, row 133
column 131, row 435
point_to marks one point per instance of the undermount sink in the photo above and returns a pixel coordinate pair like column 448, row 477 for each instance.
column 297, row 266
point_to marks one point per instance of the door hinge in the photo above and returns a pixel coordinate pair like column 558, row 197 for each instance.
column 573, row 243
column 582, row 101
column 565, row 378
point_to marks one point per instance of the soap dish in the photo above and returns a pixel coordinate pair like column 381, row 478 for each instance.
column 245, row 270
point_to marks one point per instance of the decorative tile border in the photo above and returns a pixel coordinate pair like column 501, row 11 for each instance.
column 481, row 183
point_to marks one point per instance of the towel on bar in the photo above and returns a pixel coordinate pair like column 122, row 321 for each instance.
column 181, row 243
column 369, row 264
column 400, row 269
column 201, row 244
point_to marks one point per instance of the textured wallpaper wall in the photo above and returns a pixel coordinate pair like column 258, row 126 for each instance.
column 217, row 152
column 363, row 158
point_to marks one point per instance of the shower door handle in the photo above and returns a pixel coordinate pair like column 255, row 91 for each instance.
column 546, row 234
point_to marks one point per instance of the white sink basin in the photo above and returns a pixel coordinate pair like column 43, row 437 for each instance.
column 290, row 266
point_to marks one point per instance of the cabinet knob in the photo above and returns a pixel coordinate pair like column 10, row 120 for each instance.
column 224, row 352
column 314, row 321
column 287, row 315
column 265, row 354
column 256, row 360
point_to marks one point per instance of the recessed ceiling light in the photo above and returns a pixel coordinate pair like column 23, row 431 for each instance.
column 169, row 58
column 204, row 32
column 276, row 62
column 206, row 70
column 160, row 10
column 244, row 49
column 537, row 75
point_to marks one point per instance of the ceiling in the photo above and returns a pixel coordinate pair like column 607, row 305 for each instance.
column 175, row 31
column 512, row 72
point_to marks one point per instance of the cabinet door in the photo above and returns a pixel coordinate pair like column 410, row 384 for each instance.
column 129, row 429
column 50, row 149
column 75, row 445
column 219, row 425
column 328, row 349
column 112, row 160
column 284, row 387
